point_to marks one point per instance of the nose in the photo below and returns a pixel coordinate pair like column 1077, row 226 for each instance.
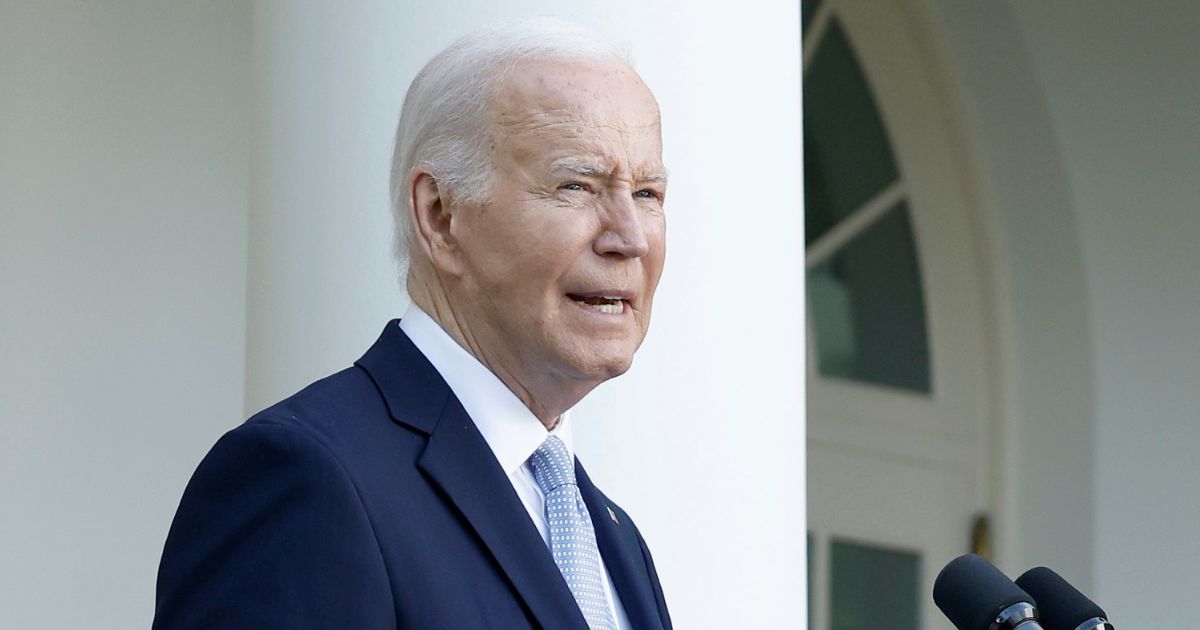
column 622, row 233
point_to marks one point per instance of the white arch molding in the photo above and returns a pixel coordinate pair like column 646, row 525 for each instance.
column 1045, row 440
column 1034, row 448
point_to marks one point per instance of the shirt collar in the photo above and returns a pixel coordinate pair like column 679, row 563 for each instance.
column 508, row 426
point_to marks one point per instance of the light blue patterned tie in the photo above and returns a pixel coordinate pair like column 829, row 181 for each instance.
column 572, row 539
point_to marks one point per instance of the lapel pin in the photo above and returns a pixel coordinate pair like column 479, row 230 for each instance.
column 613, row 515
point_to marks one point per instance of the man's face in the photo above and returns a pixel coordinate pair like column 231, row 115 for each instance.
column 560, row 266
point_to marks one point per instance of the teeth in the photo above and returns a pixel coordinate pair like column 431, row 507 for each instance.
column 615, row 307
column 612, row 309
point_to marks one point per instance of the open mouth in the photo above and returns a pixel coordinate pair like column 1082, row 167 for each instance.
column 607, row 304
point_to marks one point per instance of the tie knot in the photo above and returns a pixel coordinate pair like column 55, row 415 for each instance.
column 553, row 466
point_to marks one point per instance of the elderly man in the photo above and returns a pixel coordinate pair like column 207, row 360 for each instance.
column 433, row 484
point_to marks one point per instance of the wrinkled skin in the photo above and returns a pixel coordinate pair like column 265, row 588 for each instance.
column 576, row 212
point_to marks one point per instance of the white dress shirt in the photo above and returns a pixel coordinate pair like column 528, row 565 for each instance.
column 508, row 426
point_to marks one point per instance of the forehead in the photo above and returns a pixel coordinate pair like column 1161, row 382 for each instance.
column 553, row 109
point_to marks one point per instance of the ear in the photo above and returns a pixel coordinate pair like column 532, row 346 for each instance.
column 432, row 218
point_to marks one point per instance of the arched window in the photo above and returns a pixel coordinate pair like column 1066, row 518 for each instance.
column 867, row 304
column 900, row 377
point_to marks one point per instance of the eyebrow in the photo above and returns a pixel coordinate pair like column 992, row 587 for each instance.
column 589, row 168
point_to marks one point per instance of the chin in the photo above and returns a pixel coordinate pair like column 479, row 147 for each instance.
column 602, row 365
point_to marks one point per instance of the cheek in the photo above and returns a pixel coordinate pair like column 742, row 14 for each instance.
column 528, row 260
column 554, row 240
column 656, row 235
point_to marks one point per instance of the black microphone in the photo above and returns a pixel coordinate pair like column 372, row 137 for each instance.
column 1063, row 607
column 975, row 595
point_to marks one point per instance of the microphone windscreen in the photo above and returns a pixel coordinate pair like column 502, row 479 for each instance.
column 971, row 592
column 1062, row 606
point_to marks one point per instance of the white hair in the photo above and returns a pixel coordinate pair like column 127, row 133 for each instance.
column 444, row 121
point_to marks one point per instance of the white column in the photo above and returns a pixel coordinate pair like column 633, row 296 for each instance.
column 124, row 155
column 703, row 441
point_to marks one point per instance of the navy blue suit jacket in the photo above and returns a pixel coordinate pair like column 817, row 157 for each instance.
column 370, row 500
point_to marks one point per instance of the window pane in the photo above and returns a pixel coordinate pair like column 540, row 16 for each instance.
column 811, row 577
column 847, row 156
column 873, row 588
column 868, row 310
column 808, row 8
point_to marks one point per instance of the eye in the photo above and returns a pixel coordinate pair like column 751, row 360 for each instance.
column 647, row 193
column 573, row 186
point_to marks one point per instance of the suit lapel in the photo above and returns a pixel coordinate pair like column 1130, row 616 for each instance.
column 622, row 556
column 458, row 461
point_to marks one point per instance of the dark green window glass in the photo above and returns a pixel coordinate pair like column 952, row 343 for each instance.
column 808, row 8
column 811, row 578
column 868, row 310
column 871, row 585
column 847, row 155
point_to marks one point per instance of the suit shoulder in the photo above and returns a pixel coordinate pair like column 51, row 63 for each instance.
column 268, row 522
column 328, row 408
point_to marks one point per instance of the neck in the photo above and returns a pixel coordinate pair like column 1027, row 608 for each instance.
column 545, row 396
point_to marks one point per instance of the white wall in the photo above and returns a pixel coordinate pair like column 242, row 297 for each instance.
column 703, row 442
column 1121, row 86
column 1085, row 120
column 123, row 196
